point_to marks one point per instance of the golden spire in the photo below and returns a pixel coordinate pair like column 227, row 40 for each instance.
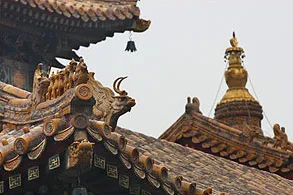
column 236, row 75
column 238, row 108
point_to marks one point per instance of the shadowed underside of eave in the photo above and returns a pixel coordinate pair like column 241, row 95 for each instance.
column 57, row 27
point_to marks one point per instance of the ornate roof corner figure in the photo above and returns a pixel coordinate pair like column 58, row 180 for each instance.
column 248, row 132
column 81, row 75
column 121, row 104
column 192, row 106
column 140, row 25
column 40, row 86
column 281, row 138
column 235, row 132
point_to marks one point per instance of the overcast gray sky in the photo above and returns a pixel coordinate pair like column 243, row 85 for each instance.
column 182, row 55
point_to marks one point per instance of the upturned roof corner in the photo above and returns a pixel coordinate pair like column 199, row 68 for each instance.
column 235, row 132
column 73, row 113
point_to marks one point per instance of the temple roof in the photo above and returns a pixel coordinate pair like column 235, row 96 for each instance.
column 44, row 127
column 85, row 10
column 220, row 174
column 52, row 28
column 235, row 132
column 240, row 145
column 166, row 165
column 33, row 142
column 71, row 117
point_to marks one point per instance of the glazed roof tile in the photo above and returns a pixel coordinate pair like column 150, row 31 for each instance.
column 208, row 170
column 86, row 9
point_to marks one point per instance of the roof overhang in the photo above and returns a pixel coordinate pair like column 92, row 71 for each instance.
column 60, row 26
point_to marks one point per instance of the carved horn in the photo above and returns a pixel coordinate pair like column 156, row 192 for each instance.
column 117, row 87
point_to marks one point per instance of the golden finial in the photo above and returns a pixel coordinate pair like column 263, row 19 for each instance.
column 236, row 76
column 238, row 108
column 234, row 41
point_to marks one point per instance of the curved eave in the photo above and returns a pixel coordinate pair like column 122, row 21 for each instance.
column 208, row 135
column 78, row 22
column 12, row 160
column 36, row 140
column 85, row 11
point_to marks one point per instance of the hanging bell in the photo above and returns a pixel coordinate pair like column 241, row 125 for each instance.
column 130, row 44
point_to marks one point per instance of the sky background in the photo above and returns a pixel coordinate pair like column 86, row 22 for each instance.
column 181, row 55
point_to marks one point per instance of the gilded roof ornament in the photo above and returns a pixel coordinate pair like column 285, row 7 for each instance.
column 236, row 76
column 234, row 41
column 238, row 105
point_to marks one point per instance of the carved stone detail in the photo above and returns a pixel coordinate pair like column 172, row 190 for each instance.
column 141, row 25
column 192, row 106
column 21, row 146
column 80, row 155
column 33, row 173
column 281, row 138
column 121, row 104
column 15, row 181
column 80, row 121
column 40, row 86
column 84, row 92
column 248, row 132
column 51, row 127
column 81, row 75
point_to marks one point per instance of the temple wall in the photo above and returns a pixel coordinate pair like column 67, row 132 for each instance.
column 16, row 73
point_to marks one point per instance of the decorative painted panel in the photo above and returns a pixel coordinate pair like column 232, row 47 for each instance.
column 124, row 181
column 33, row 173
column 99, row 162
column 16, row 73
column 134, row 188
column 1, row 187
column 5, row 72
column 14, row 181
column 112, row 171
column 54, row 162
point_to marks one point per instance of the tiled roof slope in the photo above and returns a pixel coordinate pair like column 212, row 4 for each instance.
column 208, row 170
column 86, row 10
